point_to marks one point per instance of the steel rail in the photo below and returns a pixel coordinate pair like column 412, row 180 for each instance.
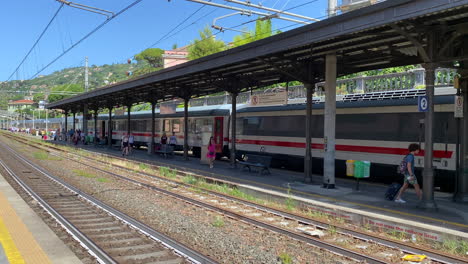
column 191, row 254
column 313, row 241
column 90, row 246
column 358, row 235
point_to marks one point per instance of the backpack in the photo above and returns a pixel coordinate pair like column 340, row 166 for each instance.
column 403, row 167
column 392, row 191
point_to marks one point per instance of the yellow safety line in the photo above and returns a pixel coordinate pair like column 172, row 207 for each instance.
column 11, row 251
column 20, row 242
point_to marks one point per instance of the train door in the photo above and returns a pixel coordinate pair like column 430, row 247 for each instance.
column 218, row 133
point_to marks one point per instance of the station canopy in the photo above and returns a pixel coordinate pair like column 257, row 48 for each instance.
column 388, row 34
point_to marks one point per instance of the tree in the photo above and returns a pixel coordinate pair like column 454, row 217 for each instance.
column 152, row 56
column 71, row 88
column 38, row 97
column 262, row 30
column 206, row 45
column 174, row 46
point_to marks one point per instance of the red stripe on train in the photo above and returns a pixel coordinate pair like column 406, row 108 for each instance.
column 350, row 148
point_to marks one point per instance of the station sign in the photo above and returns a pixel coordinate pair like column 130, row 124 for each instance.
column 423, row 103
column 269, row 99
column 458, row 107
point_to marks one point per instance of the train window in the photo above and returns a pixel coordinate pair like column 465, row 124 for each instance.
column 157, row 125
column 176, row 125
column 167, row 125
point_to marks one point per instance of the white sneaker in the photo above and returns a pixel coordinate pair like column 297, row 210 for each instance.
column 400, row 201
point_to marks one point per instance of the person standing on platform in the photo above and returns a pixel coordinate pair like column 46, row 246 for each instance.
column 211, row 155
column 164, row 139
column 410, row 177
column 173, row 140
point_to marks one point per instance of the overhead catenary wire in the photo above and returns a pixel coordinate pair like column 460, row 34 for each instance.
column 178, row 25
column 253, row 36
column 37, row 41
column 88, row 35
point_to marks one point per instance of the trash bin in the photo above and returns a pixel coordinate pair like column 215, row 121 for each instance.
column 350, row 168
column 366, row 169
column 358, row 169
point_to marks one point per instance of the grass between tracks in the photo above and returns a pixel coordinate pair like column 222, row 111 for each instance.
column 86, row 174
column 42, row 155
column 452, row 246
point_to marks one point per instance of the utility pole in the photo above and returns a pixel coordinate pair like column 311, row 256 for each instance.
column 47, row 121
column 86, row 84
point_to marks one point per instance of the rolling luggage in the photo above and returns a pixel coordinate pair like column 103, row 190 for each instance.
column 392, row 191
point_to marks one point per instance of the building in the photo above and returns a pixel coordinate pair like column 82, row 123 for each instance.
column 20, row 104
column 175, row 57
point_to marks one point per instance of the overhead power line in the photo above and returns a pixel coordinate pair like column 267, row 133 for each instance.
column 253, row 20
column 37, row 41
column 174, row 28
column 87, row 36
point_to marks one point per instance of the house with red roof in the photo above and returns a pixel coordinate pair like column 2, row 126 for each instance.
column 20, row 104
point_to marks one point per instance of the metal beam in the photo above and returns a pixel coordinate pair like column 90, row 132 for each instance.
column 422, row 52
column 330, row 123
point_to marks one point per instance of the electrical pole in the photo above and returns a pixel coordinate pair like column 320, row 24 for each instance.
column 86, row 84
column 46, row 120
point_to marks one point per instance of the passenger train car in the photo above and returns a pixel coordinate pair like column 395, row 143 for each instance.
column 375, row 129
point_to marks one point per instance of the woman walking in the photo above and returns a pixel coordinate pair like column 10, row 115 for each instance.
column 125, row 145
column 410, row 177
column 211, row 155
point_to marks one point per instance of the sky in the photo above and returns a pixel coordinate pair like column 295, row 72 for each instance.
column 141, row 26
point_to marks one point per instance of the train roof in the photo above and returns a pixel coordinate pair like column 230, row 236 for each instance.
column 442, row 99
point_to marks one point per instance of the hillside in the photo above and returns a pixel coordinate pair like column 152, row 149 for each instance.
column 98, row 77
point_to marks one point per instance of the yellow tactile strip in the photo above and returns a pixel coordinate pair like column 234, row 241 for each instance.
column 18, row 243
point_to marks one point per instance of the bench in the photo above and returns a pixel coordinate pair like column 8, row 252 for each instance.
column 102, row 143
column 117, row 144
column 165, row 149
column 262, row 162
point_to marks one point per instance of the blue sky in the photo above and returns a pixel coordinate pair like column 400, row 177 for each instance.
column 133, row 31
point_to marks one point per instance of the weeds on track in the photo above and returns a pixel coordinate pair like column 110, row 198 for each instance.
column 41, row 155
column 190, row 180
column 84, row 174
column 332, row 230
column 167, row 172
column 218, row 221
column 290, row 203
column 143, row 166
column 285, row 258
column 103, row 180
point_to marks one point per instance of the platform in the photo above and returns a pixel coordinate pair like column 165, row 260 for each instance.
column 24, row 237
column 367, row 205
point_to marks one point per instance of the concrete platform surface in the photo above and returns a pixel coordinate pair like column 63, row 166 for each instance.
column 24, row 237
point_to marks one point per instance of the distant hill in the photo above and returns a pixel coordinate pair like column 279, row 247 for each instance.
column 98, row 77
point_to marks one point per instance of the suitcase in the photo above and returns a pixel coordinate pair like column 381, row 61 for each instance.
column 392, row 191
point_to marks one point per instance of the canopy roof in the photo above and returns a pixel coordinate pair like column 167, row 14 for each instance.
column 391, row 33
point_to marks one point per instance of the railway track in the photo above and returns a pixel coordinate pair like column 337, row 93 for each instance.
column 106, row 233
column 282, row 222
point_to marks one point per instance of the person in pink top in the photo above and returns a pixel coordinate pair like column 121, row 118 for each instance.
column 211, row 155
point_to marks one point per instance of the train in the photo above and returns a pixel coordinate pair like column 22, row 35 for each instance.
column 375, row 127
